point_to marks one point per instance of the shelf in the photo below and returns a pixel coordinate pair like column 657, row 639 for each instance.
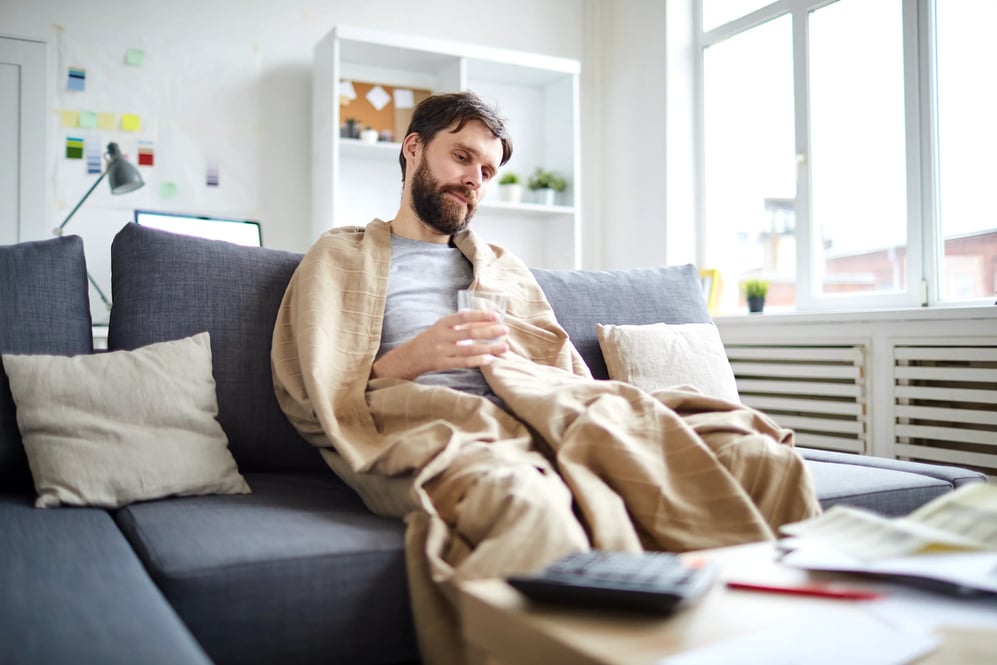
column 531, row 209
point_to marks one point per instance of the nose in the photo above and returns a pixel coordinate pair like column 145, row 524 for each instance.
column 473, row 178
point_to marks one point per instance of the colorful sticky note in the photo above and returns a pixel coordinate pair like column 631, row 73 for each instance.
column 130, row 122
column 146, row 153
column 88, row 119
column 134, row 57
column 74, row 147
column 76, row 79
column 70, row 118
column 167, row 190
column 106, row 120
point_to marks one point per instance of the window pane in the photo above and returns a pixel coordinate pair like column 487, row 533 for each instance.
column 857, row 159
column 718, row 12
column 750, row 161
column 967, row 143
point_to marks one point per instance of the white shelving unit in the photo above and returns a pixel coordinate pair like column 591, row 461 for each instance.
column 354, row 182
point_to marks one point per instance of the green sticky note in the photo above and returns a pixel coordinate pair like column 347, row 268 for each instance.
column 88, row 119
column 167, row 190
column 134, row 57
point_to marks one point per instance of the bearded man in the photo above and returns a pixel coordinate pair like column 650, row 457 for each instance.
column 491, row 438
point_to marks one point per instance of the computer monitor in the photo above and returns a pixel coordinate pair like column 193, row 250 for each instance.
column 239, row 231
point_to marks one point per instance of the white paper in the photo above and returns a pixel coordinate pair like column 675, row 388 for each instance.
column 378, row 97
column 346, row 90
column 824, row 638
column 404, row 99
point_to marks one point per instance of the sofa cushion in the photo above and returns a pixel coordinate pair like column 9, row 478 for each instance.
column 167, row 286
column 299, row 571
column 661, row 355
column 638, row 296
column 108, row 429
column 44, row 308
column 73, row 591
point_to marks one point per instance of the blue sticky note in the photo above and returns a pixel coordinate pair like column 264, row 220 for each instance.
column 77, row 79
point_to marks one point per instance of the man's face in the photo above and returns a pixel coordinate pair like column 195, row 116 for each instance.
column 452, row 176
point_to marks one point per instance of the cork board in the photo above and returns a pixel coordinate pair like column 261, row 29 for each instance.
column 382, row 107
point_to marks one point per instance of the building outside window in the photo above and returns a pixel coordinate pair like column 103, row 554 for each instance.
column 847, row 150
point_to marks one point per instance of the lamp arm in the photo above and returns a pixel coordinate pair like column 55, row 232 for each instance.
column 100, row 291
column 58, row 230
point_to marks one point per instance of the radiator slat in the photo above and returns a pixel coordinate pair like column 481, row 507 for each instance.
column 799, row 388
column 796, row 370
column 846, row 445
column 945, row 394
column 848, row 354
column 783, row 404
column 820, row 424
column 969, row 374
column 953, row 457
column 947, row 434
column 947, row 353
column 972, row 416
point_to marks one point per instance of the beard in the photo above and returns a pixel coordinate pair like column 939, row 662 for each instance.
column 437, row 210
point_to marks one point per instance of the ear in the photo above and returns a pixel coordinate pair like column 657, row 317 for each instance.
column 411, row 147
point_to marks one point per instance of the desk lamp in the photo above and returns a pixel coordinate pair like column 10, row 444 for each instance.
column 123, row 177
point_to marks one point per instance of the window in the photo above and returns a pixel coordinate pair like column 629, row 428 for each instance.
column 847, row 149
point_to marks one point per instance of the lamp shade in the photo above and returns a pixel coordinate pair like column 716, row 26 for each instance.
column 122, row 176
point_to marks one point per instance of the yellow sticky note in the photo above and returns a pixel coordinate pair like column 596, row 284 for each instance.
column 70, row 118
column 130, row 122
column 167, row 190
column 88, row 119
column 106, row 120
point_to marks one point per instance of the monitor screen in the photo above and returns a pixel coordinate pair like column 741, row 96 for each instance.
column 238, row 231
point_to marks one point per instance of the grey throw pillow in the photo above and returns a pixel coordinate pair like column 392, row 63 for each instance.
column 112, row 428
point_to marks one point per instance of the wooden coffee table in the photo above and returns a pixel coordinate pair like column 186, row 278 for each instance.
column 501, row 626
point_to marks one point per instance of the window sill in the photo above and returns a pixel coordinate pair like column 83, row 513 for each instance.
column 937, row 313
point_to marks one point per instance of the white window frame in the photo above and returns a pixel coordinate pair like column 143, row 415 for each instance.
column 925, row 246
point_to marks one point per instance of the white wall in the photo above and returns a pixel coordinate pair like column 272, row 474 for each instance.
column 620, row 44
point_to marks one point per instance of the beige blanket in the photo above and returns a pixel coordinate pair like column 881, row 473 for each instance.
column 574, row 463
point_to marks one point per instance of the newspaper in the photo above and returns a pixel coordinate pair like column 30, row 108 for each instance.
column 951, row 540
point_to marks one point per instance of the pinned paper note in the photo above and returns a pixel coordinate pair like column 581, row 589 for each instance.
column 404, row 99
column 93, row 156
column 88, row 119
column 76, row 79
column 130, row 122
column 167, row 190
column 346, row 90
column 106, row 120
column 134, row 57
column 378, row 97
column 146, row 153
column 211, row 176
column 69, row 118
column 74, row 147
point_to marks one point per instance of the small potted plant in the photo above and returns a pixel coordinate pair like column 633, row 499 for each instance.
column 755, row 290
column 510, row 188
column 546, row 183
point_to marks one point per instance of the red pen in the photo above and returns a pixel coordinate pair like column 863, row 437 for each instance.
column 807, row 590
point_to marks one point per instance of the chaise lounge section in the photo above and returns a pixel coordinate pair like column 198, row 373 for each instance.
column 297, row 571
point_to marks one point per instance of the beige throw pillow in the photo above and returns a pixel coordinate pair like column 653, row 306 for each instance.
column 662, row 355
column 111, row 428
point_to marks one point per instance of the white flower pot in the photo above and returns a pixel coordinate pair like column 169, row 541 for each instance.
column 545, row 196
column 511, row 193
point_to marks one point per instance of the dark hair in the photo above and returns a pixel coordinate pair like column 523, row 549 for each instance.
column 436, row 113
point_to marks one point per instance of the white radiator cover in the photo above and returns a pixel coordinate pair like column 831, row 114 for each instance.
column 921, row 382
column 817, row 390
column 945, row 403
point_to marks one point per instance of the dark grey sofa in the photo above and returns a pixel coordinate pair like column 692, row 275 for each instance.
column 298, row 571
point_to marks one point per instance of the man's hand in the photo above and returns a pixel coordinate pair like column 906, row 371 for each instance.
column 464, row 339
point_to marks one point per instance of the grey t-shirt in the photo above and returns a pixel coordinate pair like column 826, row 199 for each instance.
column 422, row 288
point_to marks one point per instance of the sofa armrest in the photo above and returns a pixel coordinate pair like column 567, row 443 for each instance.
column 953, row 475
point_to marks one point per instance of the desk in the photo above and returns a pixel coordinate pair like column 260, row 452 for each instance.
column 502, row 627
